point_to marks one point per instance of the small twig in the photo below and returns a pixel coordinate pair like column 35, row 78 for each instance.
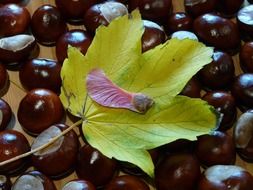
column 43, row 146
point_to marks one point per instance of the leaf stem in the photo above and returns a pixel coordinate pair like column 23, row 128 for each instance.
column 15, row 84
column 43, row 146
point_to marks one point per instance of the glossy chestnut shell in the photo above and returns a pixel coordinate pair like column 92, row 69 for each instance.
column 217, row 31
column 177, row 172
column 38, row 110
column 94, row 166
column 246, row 57
column 12, row 144
column 155, row 10
column 3, row 77
column 179, row 21
column 79, row 184
column 219, row 73
column 244, row 20
column 127, row 182
column 14, row 19
column 225, row 104
column 153, row 35
column 5, row 114
column 59, row 158
column 199, row 7
column 73, row 10
column 242, row 90
column 33, row 180
column 41, row 73
column 76, row 38
column 215, row 148
column 47, row 24
column 225, row 177
column 243, row 133
column 229, row 7
column 192, row 88
column 103, row 14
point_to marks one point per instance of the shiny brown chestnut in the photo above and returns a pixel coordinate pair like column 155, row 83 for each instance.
column 229, row 7
column 76, row 38
column 16, row 48
column 14, row 20
column 38, row 110
column 127, row 182
column 12, row 144
column 155, row 10
column 242, row 90
column 3, row 77
column 225, row 104
column 93, row 166
column 177, row 172
column 78, row 184
column 246, row 57
column 59, row 158
column 243, row 133
column 192, row 88
column 33, row 180
column 153, row 35
column 41, row 73
column 215, row 148
column 217, row 31
column 10, row 1
column 179, row 21
column 5, row 182
column 47, row 24
column 73, row 10
column 244, row 20
column 225, row 177
column 5, row 114
column 198, row 7
column 103, row 14
column 219, row 73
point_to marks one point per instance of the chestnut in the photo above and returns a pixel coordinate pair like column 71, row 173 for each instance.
column 78, row 184
column 38, row 110
column 47, row 24
column 103, row 14
column 5, row 182
column 225, row 104
column 127, row 182
column 73, row 10
column 93, row 166
column 77, row 38
column 155, row 10
column 16, row 48
column 3, row 77
column 225, row 177
column 59, row 158
column 178, row 171
column 198, row 7
column 11, row 1
column 12, row 144
column 14, row 20
column 153, row 35
column 179, row 21
column 246, row 57
column 229, row 7
column 184, row 35
column 5, row 114
column 243, row 132
column 41, row 73
column 215, row 148
column 244, row 20
column 242, row 90
column 192, row 88
column 219, row 73
column 33, row 180
column 217, row 31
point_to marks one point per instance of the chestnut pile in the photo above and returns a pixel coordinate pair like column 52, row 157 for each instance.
column 205, row 164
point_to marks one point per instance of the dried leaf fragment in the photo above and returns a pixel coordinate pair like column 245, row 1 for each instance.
column 106, row 93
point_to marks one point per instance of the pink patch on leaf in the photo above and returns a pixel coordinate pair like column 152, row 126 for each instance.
column 106, row 93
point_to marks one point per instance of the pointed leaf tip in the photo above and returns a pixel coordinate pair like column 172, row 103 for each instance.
column 106, row 93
